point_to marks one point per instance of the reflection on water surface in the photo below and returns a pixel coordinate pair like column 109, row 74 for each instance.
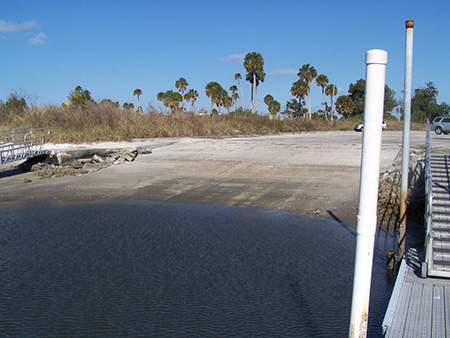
column 143, row 269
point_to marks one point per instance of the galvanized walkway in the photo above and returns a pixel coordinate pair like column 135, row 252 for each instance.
column 419, row 307
column 21, row 143
column 420, row 302
column 437, row 256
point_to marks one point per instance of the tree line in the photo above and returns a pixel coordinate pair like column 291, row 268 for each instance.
column 424, row 103
column 351, row 106
column 254, row 65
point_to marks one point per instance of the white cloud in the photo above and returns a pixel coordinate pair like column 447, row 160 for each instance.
column 283, row 72
column 38, row 39
column 239, row 58
column 9, row 27
column 12, row 27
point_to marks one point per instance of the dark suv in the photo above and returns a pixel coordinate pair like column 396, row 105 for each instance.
column 441, row 124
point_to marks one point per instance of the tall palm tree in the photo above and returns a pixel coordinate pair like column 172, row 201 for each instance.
column 181, row 84
column 237, row 77
column 298, row 90
column 228, row 103
column 234, row 96
column 249, row 78
column 191, row 96
column 254, row 65
column 322, row 81
column 331, row 91
column 137, row 92
column 221, row 97
column 210, row 91
column 308, row 73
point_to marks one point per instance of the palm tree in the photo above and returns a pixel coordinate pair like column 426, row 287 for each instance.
column 210, row 91
column 234, row 95
column 221, row 97
column 160, row 97
column 345, row 106
column 234, row 98
column 331, row 91
column 308, row 73
column 218, row 95
column 254, row 65
column 191, row 96
column 237, row 77
column 268, row 98
column 181, row 84
column 170, row 99
column 322, row 81
column 228, row 103
column 137, row 92
column 80, row 96
column 174, row 101
column 299, row 89
column 272, row 105
column 128, row 106
column 274, row 108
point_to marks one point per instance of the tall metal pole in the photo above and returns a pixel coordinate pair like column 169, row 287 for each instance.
column 368, row 190
column 406, row 129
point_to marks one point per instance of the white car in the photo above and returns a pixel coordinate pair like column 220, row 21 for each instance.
column 360, row 126
column 441, row 125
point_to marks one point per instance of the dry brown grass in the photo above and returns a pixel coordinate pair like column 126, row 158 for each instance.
column 104, row 122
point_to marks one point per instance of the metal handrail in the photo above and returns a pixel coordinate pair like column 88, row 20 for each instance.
column 20, row 143
column 15, row 135
column 428, row 205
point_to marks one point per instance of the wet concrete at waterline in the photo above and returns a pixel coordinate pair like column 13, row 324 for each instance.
column 160, row 269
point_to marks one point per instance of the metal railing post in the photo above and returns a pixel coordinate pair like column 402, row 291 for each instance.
column 376, row 61
column 406, row 129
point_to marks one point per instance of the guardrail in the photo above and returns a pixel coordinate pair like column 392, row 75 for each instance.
column 21, row 143
column 428, row 205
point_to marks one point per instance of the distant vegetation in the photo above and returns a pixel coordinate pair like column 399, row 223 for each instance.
column 82, row 119
column 351, row 106
column 106, row 121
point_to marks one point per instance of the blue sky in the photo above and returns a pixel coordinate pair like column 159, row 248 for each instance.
column 113, row 47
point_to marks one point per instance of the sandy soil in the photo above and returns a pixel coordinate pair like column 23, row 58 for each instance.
column 308, row 173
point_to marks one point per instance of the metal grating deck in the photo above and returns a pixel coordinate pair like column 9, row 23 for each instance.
column 439, row 257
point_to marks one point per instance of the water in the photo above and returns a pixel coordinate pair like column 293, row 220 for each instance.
column 159, row 269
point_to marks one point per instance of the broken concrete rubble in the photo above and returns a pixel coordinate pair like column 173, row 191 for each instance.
column 79, row 162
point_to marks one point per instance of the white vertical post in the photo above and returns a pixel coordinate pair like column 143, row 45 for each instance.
column 368, row 190
column 406, row 133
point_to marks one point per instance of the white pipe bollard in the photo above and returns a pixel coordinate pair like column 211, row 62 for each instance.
column 368, row 190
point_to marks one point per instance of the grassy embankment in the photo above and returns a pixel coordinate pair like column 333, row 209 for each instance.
column 100, row 122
